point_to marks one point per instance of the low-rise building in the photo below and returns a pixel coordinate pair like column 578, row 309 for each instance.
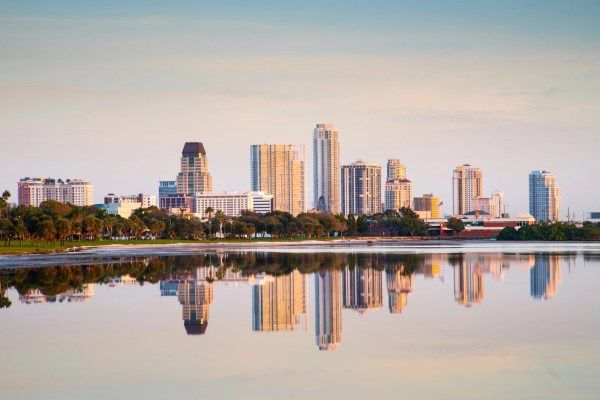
column 232, row 203
column 428, row 206
column 126, row 205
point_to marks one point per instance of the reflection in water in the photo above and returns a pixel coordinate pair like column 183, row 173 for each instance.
column 279, row 303
column 279, row 288
column 545, row 276
column 362, row 289
column 328, row 309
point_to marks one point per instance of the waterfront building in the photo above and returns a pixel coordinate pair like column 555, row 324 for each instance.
column 544, row 196
column 326, row 169
column 428, row 206
column 545, row 276
column 398, row 194
column 194, row 176
column 467, row 184
column 195, row 296
column 279, row 303
column 362, row 289
column 399, row 286
column 167, row 188
column 468, row 283
column 395, row 170
column 178, row 204
column 232, row 203
column 328, row 309
column 278, row 170
column 34, row 191
column 493, row 205
column 361, row 188
column 126, row 205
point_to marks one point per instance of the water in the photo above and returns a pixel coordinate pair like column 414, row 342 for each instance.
column 427, row 324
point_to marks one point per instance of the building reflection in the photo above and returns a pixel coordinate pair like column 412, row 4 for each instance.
column 399, row 286
column 362, row 289
column 35, row 296
column 328, row 309
column 545, row 276
column 468, row 282
column 279, row 303
column 195, row 296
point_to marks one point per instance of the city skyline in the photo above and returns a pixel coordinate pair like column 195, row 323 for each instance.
column 509, row 90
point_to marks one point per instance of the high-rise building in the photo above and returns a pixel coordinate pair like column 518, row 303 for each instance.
column 279, row 303
column 328, row 309
column 398, row 194
column 544, row 196
column 194, row 176
column 34, row 191
column 467, row 183
column 399, row 286
column 428, row 206
column 545, row 276
column 326, row 169
column 362, row 289
column 278, row 169
column 361, row 188
column 395, row 170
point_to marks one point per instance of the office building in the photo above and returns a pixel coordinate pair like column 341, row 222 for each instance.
column 178, row 204
column 126, row 205
column 362, row 289
column 328, row 309
column 493, row 205
column 232, row 203
column 34, row 191
column 326, row 169
column 361, row 188
column 278, row 170
column 428, row 206
column 167, row 189
column 467, row 184
column 194, row 176
column 395, row 170
column 398, row 194
column 544, row 196
column 279, row 303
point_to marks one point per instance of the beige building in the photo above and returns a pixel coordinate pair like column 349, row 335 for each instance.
column 395, row 170
column 279, row 303
column 493, row 205
column 428, row 206
column 361, row 188
column 398, row 194
column 126, row 205
column 232, row 204
column 326, row 169
column 194, row 176
column 467, row 184
column 278, row 170
column 34, row 191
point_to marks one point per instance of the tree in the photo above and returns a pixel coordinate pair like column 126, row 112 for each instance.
column 507, row 233
column 456, row 225
column 7, row 230
column 361, row 225
column 156, row 227
column 4, row 202
column 63, row 229
column 47, row 230
column 209, row 211
column 352, row 226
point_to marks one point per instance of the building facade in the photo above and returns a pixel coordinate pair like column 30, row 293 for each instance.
column 232, row 204
column 194, row 176
column 544, row 196
column 398, row 194
column 326, row 169
column 167, row 188
column 34, row 191
column 278, row 170
column 126, row 205
column 395, row 170
column 493, row 205
column 428, row 206
column 361, row 188
column 467, row 183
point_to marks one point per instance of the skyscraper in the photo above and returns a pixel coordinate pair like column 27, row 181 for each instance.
column 544, row 196
column 362, row 289
column 194, row 176
column 279, row 302
column 398, row 194
column 328, row 309
column 395, row 170
column 326, row 169
column 467, row 183
column 278, row 169
column 361, row 188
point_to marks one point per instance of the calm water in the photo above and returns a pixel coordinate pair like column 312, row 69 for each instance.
column 428, row 325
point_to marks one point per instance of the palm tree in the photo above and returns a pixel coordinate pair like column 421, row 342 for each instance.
column 209, row 211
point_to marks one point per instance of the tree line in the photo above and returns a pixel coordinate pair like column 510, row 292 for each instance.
column 556, row 231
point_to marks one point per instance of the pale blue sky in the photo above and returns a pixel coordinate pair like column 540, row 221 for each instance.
column 109, row 92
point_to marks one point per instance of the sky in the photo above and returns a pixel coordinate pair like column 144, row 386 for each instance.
column 109, row 91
